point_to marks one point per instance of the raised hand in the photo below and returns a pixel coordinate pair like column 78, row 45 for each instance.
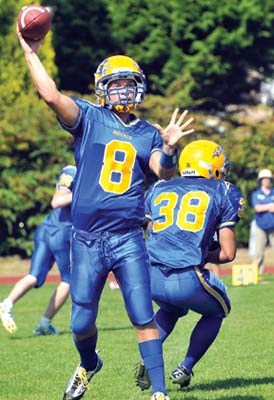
column 28, row 45
column 174, row 131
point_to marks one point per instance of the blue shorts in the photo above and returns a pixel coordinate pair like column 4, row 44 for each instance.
column 93, row 257
column 48, row 248
column 193, row 289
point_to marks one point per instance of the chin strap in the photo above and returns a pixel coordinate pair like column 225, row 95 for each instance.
column 123, row 108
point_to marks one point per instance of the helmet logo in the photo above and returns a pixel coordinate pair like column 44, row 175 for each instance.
column 218, row 151
column 103, row 67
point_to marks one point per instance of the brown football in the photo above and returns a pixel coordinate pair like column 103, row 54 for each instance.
column 34, row 22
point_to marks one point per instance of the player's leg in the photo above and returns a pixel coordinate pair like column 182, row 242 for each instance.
column 202, row 337
column 209, row 298
column 87, row 283
column 58, row 298
column 59, row 244
column 133, row 277
column 165, row 322
column 167, row 315
column 41, row 262
column 163, row 287
column 19, row 290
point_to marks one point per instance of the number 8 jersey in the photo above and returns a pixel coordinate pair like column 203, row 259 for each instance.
column 112, row 160
column 185, row 213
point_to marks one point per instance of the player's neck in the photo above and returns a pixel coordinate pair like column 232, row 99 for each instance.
column 125, row 117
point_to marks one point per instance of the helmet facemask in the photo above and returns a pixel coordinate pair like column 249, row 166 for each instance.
column 120, row 68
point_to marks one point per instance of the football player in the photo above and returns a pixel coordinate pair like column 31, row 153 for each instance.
column 185, row 213
column 51, row 244
column 114, row 150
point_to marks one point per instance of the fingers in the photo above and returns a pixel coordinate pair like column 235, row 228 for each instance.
column 174, row 116
column 186, row 123
column 182, row 117
column 184, row 133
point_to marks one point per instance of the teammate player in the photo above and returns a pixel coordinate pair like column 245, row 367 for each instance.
column 114, row 151
column 185, row 213
column 51, row 243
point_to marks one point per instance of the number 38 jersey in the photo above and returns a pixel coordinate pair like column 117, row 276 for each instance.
column 112, row 161
column 185, row 213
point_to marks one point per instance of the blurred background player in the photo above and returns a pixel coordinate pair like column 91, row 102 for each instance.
column 262, row 200
column 114, row 150
column 185, row 213
column 51, row 244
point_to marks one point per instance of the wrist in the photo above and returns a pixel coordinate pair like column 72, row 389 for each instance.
column 169, row 160
column 170, row 151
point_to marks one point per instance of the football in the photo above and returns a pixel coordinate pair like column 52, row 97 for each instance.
column 34, row 22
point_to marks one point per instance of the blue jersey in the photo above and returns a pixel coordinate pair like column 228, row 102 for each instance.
column 112, row 160
column 61, row 216
column 185, row 214
column 264, row 220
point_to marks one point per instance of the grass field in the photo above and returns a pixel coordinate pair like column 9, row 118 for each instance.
column 239, row 366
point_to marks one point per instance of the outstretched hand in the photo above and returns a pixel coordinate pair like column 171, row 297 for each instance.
column 172, row 134
column 28, row 45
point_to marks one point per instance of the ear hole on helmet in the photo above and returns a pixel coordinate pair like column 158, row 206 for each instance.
column 217, row 173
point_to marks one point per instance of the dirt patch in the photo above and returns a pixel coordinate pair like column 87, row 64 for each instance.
column 12, row 268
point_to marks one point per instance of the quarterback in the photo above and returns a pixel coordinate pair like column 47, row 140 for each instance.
column 114, row 151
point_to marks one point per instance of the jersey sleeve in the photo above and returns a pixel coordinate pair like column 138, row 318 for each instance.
column 85, row 108
column 232, row 207
column 66, row 178
column 157, row 143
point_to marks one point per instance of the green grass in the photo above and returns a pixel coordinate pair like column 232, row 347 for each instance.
column 239, row 366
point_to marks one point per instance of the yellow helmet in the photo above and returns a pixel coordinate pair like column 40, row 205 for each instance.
column 204, row 158
column 112, row 69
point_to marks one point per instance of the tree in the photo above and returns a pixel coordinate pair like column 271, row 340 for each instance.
column 202, row 50
column 220, row 42
column 32, row 147
column 82, row 39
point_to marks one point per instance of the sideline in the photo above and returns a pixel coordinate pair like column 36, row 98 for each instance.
column 11, row 280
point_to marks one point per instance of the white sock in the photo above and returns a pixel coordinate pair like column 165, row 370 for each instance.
column 44, row 322
column 8, row 304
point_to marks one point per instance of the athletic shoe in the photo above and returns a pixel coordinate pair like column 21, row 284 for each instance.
column 142, row 378
column 43, row 331
column 79, row 382
column 7, row 319
column 181, row 376
column 159, row 396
